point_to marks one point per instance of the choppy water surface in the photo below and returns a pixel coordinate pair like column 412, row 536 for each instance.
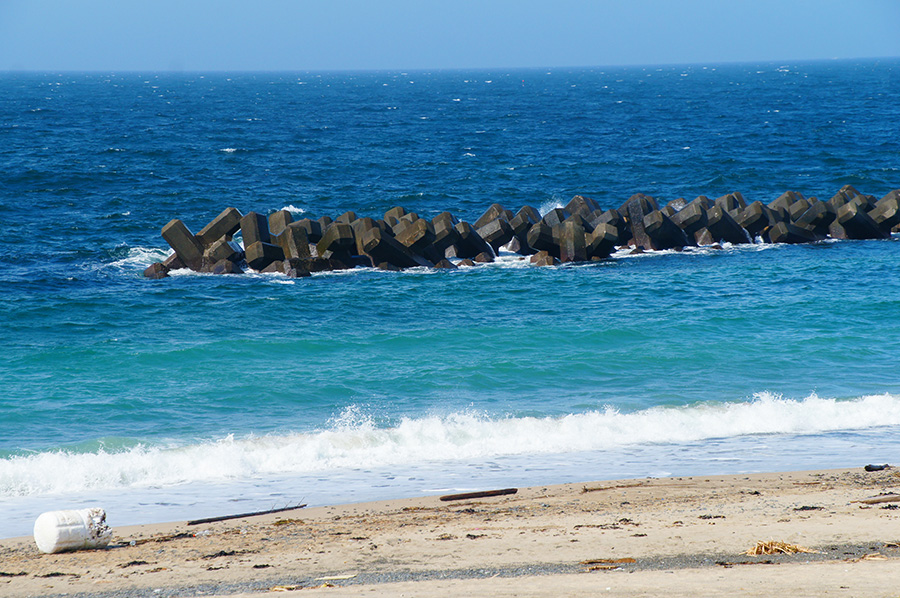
column 175, row 398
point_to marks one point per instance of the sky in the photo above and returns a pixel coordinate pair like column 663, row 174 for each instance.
column 303, row 35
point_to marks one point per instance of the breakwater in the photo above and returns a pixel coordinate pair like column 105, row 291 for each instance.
column 579, row 232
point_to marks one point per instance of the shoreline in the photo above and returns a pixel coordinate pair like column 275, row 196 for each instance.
column 571, row 537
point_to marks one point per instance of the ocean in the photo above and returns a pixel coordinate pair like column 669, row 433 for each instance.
column 201, row 395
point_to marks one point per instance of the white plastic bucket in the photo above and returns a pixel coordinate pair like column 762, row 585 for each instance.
column 58, row 531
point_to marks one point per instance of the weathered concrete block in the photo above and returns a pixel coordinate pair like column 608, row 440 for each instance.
column 496, row 233
column 226, row 267
column 848, row 192
column 704, row 201
column 225, row 225
column 223, row 250
column 531, row 212
column 395, row 213
column 891, row 195
column 676, row 205
column 647, row 204
column 278, row 221
column 581, row 205
column 836, row 231
column 297, row 268
column 704, row 237
column 294, row 241
column 444, row 219
column 312, row 227
column 797, row 209
column 602, row 241
column 347, row 217
column 338, row 238
column 519, row 246
column 543, row 258
column 784, row 201
column 887, row 213
column 360, row 226
column 156, row 271
column 866, row 202
column 613, row 218
column 388, row 267
column 484, row 257
column 445, row 264
column 259, row 255
column 173, row 262
column 663, row 233
column 470, row 242
column 555, row 217
column 315, row 264
column 344, row 262
column 858, row 224
column 520, row 224
column 399, row 226
column 276, row 267
column 756, row 218
column 723, row 227
column 445, row 235
column 581, row 221
column 733, row 203
column 838, row 201
column 325, row 222
column 417, row 236
column 255, row 229
column 785, row 232
column 690, row 218
column 188, row 249
column 637, row 207
column 540, row 237
column 571, row 239
column 385, row 248
column 817, row 218
column 492, row 213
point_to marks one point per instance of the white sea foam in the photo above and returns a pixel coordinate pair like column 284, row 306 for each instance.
column 294, row 209
column 353, row 440
column 141, row 257
column 550, row 205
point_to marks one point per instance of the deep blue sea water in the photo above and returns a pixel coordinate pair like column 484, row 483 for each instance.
column 199, row 395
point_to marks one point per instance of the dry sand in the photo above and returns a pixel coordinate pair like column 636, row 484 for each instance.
column 673, row 537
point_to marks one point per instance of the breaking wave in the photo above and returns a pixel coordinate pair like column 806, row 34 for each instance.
column 353, row 440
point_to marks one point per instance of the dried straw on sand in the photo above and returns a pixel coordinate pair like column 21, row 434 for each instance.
column 775, row 547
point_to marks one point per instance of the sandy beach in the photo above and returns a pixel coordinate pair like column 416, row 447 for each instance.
column 686, row 536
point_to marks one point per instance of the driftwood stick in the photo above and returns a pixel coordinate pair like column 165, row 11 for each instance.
column 880, row 499
column 242, row 515
column 484, row 494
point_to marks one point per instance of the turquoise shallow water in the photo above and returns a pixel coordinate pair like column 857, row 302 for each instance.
column 176, row 398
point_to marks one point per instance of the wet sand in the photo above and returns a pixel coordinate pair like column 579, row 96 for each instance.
column 645, row 537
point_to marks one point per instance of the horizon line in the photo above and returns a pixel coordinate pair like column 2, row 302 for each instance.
column 11, row 70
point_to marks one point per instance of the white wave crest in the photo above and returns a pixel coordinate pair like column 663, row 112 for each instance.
column 353, row 440
column 550, row 205
column 294, row 209
column 141, row 257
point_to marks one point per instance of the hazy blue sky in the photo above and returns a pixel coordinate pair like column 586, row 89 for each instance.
column 408, row 34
